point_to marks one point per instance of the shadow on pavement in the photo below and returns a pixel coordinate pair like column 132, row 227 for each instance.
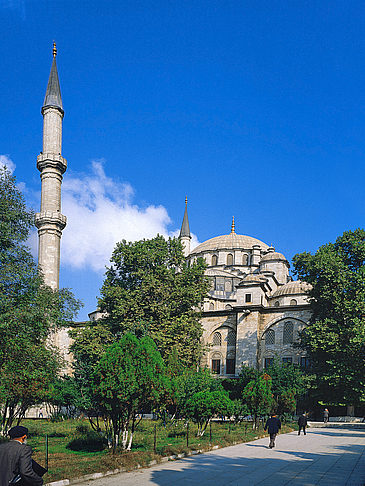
column 215, row 469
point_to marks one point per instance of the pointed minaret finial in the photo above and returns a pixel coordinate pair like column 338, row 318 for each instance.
column 185, row 230
column 53, row 93
column 233, row 225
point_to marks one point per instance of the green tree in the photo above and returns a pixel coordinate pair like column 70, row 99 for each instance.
column 89, row 344
column 235, row 386
column 335, row 337
column 63, row 395
column 258, row 396
column 151, row 290
column 29, row 311
column 288, row 382
column 191, row 382
column 129, row 376
column 205, row 405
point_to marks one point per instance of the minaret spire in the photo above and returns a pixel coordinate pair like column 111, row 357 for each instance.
column 185, row 235
column 53, row 93
column 49, row 221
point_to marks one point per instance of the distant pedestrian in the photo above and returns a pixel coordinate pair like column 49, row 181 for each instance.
column 273, row 425
column 16, row 459
column 302, row 423
column 326, row 415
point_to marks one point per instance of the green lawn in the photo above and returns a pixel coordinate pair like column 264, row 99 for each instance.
column 65, row 464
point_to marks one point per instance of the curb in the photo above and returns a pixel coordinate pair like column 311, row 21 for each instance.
column 87, row 477
column 68, row 482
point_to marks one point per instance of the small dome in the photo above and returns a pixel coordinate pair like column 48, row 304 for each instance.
column 273, row 256
column 229, row 242
column 291, row 288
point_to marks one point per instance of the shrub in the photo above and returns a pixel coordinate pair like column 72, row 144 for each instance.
column 90, row 442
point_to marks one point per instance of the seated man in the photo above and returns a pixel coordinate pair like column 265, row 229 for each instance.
column 16, row 458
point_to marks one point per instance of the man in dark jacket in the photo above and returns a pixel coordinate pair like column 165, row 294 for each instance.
column 326, row 415
column 16, row 458
column 302, row 422
column 273, row 425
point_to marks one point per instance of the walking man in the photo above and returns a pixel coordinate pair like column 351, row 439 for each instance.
column 16, row 459
column 273, row 425
column 302, row 423
column 326, row 414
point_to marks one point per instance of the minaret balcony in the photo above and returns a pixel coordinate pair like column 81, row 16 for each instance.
column 50, row 218
column 55, row 161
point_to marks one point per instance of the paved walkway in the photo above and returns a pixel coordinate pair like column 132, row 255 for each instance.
column 325, row 456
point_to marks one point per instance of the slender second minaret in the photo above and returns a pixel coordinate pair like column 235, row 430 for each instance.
column 185, row 236
column 49, row 221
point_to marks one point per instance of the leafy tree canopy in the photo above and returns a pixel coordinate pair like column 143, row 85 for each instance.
column 204, row 405
column 258, row 396
column 150, row 289
column 129, row 376
column 335, row 337
column 288, row 382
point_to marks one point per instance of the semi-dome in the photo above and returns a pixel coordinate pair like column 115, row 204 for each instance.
column 229, row 242
column 291, row 288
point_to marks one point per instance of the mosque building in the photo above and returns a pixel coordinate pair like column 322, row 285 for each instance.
column 254, row 310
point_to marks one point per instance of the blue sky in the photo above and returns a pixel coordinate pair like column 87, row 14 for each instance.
column 252, row 109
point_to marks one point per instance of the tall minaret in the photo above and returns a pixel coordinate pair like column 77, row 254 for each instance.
column 49, row 221
column 185, row 236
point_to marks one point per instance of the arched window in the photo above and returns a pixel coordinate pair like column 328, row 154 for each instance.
column 244, row 259
column 276, row 303
column 228, row 285
column 229, row 259
column 216, row 363
column 293, row 302
column 231, row 338
column 228, row 307
column 211, row 306
column 288, row 333
column 214, row 260
column 230, row 363
column 268, row 362
column 217, row 339
column 270, row 337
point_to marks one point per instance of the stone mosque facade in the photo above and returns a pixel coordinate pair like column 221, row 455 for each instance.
column 254, row 310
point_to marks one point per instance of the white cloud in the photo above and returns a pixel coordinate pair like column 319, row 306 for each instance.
column 100, row 212
column 6, row 160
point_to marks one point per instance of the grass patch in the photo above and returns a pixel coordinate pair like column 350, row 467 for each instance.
column 65, row 463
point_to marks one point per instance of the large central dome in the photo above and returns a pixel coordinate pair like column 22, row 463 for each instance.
column 229, row 242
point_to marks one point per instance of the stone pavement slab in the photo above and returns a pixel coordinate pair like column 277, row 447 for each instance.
column 325, row 457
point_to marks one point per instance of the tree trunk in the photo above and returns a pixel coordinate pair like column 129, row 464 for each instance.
column 124, row 438
column 130, row 441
